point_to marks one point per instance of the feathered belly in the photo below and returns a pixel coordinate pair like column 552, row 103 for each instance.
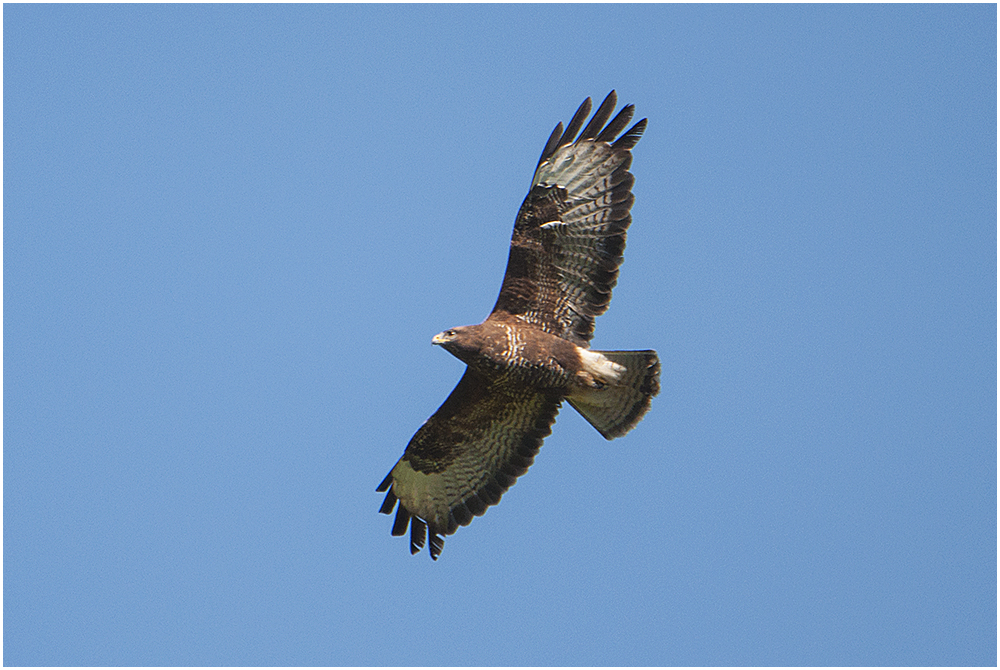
column 531, row 357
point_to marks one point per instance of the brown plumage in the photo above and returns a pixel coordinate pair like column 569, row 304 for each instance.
column 531, row 352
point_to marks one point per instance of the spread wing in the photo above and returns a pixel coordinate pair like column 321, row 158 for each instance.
column 465, row 457
column 569, row 234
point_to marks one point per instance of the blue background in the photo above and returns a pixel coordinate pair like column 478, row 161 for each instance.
column 231, row 231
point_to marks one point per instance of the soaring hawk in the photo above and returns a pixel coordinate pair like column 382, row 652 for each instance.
column 532, row 353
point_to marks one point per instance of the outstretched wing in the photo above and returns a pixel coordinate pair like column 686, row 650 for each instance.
column 465, row 457
column 569, row 234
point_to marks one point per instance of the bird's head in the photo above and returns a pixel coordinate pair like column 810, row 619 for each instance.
column 443, row 338
column 462, row 342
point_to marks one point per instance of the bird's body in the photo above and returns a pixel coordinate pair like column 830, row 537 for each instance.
column 496, row 350
column 532, row 352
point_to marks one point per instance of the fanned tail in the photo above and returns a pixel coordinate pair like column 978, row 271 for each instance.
column 615, row 408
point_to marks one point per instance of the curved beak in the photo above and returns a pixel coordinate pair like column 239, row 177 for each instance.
column 438, row 339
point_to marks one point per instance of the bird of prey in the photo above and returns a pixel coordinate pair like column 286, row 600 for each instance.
column 532, row 353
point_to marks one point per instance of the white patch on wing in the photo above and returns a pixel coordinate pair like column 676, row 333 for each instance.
column 599, row 366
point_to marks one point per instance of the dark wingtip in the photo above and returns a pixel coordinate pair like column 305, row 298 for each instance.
column 399, row 525
column 552, row 144
column 384, row 486
column 596, row 129
column 631, row 137
column 617, row 124
column 418, row 532
column 600, row 117
column 436, row 545
column 574, row 125
column 388, row 503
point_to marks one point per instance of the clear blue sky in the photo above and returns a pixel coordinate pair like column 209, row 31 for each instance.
column 231, row 231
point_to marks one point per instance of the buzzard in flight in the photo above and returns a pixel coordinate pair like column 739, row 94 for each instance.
column 532, row 353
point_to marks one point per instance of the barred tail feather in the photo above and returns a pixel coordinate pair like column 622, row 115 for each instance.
column 615, row 408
